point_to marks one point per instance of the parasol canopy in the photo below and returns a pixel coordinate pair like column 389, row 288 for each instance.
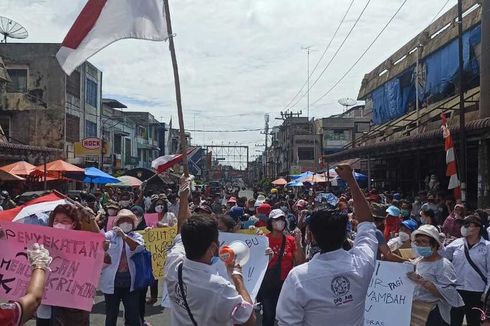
column 127, row 181
column 280, row 182
column 94, row 175
column 19, row 168
column 60, row 166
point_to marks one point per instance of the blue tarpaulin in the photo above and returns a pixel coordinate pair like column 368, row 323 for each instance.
column 393, row 99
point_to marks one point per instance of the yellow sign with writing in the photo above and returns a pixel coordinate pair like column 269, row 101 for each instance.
column 158, row 241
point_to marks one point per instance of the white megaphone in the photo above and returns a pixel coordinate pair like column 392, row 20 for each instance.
column 237, row 251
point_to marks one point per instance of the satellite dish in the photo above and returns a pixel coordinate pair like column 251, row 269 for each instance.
column 12, row 29
column 346, row 102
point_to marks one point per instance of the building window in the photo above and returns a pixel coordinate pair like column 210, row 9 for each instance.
column 127, row 149
column 5, row 125
column 117, row 144
column 306, row 153
column 72, row 128
column 90, row 129
column 18, row 81
column 336, row 134
column 91, row 93
column 142, row 132
column 73, row 84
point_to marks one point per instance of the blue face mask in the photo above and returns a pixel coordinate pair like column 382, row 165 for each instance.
column 423, row 251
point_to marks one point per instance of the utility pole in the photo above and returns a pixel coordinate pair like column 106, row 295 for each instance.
column 266, row 132
column 308, row 50
column 462, row 125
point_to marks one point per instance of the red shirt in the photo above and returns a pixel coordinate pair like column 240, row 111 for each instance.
column 287, row 262
column 10, row 314
column 392, row 224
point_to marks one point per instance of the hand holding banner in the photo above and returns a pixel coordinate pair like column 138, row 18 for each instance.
column 158, row 241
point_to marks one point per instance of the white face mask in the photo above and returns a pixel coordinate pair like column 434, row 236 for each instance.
column 125, row 203
column 159, row 208
column 126, row 227
column 279, row 225
column 63, row 226
column 464, row 231
column 403, row 236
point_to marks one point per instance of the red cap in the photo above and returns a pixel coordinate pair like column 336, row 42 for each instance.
column 264, row 209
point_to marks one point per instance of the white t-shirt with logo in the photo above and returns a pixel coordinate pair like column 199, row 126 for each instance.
column 332, row 286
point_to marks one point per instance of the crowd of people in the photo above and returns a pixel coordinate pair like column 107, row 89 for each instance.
column 322, row 253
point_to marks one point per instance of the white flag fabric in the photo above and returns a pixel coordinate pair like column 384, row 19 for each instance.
column 102, row 22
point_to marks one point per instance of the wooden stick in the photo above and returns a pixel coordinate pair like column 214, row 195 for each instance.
column 183, row 141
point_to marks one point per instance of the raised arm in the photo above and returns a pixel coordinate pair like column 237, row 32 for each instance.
column 184, row 212
column 361, row 206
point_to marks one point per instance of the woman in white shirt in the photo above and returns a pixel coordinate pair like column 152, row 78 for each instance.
column 472, row 280
column 435, row 280
column 117, row 279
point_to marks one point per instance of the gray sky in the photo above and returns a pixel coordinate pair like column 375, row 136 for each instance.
column 238, row 59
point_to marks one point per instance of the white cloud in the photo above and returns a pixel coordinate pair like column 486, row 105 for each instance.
column 237, row 59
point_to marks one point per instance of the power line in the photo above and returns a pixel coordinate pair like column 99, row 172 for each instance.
column 439, row 12
column 323, row 54
column 336, row 53
column 363, row 54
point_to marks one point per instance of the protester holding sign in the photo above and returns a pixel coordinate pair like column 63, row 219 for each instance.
column 196, row 292
column 435, row 279
column 67, row 217
column 470, row 256
column 332, row 286
column 20, row 311
column 288, row 252
column 117, row 280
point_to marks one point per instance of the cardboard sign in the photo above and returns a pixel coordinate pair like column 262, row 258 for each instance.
column 254, row 270
column 407, row 253
column 254, row 231
column 75, row 270
column 158, row 241
column 151, row 219
column 389, row 296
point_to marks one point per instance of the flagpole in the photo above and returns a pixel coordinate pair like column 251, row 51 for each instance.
column 183, row 141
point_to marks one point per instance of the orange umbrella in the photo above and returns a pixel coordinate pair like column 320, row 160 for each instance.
column 19, row 168
column 279, row 182
column 60, row 166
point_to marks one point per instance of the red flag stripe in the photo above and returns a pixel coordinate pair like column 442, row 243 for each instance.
column 84, row 23
column 10, row 214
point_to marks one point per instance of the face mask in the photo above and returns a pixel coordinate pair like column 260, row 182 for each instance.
column 126, row 227
column 279, row 225
column 159, row 208
column 63, row 226
column 112, row 212
column 125, row 203
column 423, row 251
column 403, row 236
column 464, row 231
column 405, row 213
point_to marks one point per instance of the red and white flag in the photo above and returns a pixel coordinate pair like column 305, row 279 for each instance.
column 35, row 211
column 102, row 22
column 451, row 170
column 165, row 162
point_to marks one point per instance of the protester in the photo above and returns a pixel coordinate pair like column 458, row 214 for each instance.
column 160, row 206
column 111, row 208
column 117, row 279
column 7, row 202
column 197, row 294
column 427, row 217
column 452, row 224
column 435, row 281
column 392, row 221
column 402, row 241
column 470, row 256
column 67, row 217
column 332, row 286
column 383, row 252
column 288, row 252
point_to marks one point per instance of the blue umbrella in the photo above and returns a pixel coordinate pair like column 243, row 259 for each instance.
column 302, row 175
column 94, row 175
column 295, row 184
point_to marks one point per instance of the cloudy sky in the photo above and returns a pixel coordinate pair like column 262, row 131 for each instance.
column 239, row 59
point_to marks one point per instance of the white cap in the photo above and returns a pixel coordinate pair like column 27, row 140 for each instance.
column 260, row 200
column 276, row 213
column 428, row 230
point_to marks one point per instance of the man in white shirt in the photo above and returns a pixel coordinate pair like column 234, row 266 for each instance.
column 198, row 295
column 332, row 286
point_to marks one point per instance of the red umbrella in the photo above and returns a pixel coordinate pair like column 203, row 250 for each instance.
column 19, row 168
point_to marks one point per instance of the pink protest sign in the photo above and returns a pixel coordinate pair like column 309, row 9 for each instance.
column 151, row 219
column 75, row 270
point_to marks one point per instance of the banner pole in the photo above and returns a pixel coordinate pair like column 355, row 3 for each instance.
column 183, row 140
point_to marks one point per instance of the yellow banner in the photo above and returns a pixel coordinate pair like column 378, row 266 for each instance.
column 80, row 150
column 158, row 241
column 254, row 231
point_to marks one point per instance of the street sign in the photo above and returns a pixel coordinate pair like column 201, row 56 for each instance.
column 92, row 143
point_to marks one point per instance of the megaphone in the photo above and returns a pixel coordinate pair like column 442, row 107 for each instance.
column 237, row 251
